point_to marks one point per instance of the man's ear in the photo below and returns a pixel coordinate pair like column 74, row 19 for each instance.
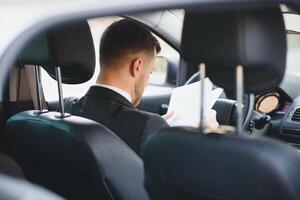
column 135, row 67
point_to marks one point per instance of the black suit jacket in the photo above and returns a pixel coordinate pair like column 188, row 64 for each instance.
column 118, row 114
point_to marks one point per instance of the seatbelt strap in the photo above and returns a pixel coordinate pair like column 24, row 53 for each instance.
column 30, row 73
column 18, row 85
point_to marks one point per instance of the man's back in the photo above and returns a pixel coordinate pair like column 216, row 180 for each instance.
column 118, row 114
column 127, row 54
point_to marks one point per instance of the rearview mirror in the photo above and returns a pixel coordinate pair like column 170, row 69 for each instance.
column 164, row 72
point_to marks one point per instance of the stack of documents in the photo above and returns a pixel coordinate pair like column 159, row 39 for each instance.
column 185, row 103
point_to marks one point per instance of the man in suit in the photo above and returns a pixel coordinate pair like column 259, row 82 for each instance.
column 127, row 55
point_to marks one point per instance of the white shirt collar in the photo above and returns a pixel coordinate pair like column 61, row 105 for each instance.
column 117, row 90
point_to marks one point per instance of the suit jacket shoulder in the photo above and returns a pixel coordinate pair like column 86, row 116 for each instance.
column 118, row 114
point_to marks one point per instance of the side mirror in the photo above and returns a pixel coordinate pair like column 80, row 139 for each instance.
column 164, row 72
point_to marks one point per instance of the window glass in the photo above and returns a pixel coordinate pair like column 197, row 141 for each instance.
column 98, row 25
column 292, row 23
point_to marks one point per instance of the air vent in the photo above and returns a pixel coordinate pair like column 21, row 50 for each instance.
column 296, row 115
column 291, row 131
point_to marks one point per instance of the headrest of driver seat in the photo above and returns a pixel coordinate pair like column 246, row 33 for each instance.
column 252, row 37
column 69, row 46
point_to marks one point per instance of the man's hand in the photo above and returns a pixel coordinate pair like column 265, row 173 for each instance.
column 168, row 116
column 211, row 122
column 211, row 125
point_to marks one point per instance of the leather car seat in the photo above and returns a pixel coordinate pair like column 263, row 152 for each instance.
column 9, row 167
column 19, row 189
column 72, row 156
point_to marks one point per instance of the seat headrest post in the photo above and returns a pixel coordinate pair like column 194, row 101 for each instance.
column 37, row 84
column 37, row 72
column 60, row 93
column 202, row 93
column 239, row 97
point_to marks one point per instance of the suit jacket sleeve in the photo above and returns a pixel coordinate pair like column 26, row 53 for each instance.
column 154, row 123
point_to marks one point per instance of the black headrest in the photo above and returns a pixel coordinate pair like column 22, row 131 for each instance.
column 69, row 46
column 222, row 39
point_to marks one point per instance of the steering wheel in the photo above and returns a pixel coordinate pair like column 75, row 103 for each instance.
column 249, row 101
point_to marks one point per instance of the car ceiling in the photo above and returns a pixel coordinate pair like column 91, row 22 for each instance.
column 167, row 23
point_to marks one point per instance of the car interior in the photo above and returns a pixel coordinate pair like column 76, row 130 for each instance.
column 206, row 162
column 248, row 50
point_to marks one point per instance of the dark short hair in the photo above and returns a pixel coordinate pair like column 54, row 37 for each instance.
column 123, row 37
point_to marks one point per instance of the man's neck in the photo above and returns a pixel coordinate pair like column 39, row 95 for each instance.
column 117, row 90
column 106, row 79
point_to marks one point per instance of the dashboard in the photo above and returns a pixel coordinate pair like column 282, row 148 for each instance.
column 272, row 102
column 284, row 113
column 290, row 126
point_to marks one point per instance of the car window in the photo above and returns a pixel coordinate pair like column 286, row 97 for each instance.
column 292, row 23
column 98, row 25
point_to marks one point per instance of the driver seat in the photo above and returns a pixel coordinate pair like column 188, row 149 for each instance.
column 184, row 164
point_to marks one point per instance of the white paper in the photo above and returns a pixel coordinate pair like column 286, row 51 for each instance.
column 185, row 103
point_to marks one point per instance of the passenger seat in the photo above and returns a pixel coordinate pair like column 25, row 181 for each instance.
column 72, row 156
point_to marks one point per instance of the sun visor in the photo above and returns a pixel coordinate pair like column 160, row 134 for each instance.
column 69, row 46
column 252, row 37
